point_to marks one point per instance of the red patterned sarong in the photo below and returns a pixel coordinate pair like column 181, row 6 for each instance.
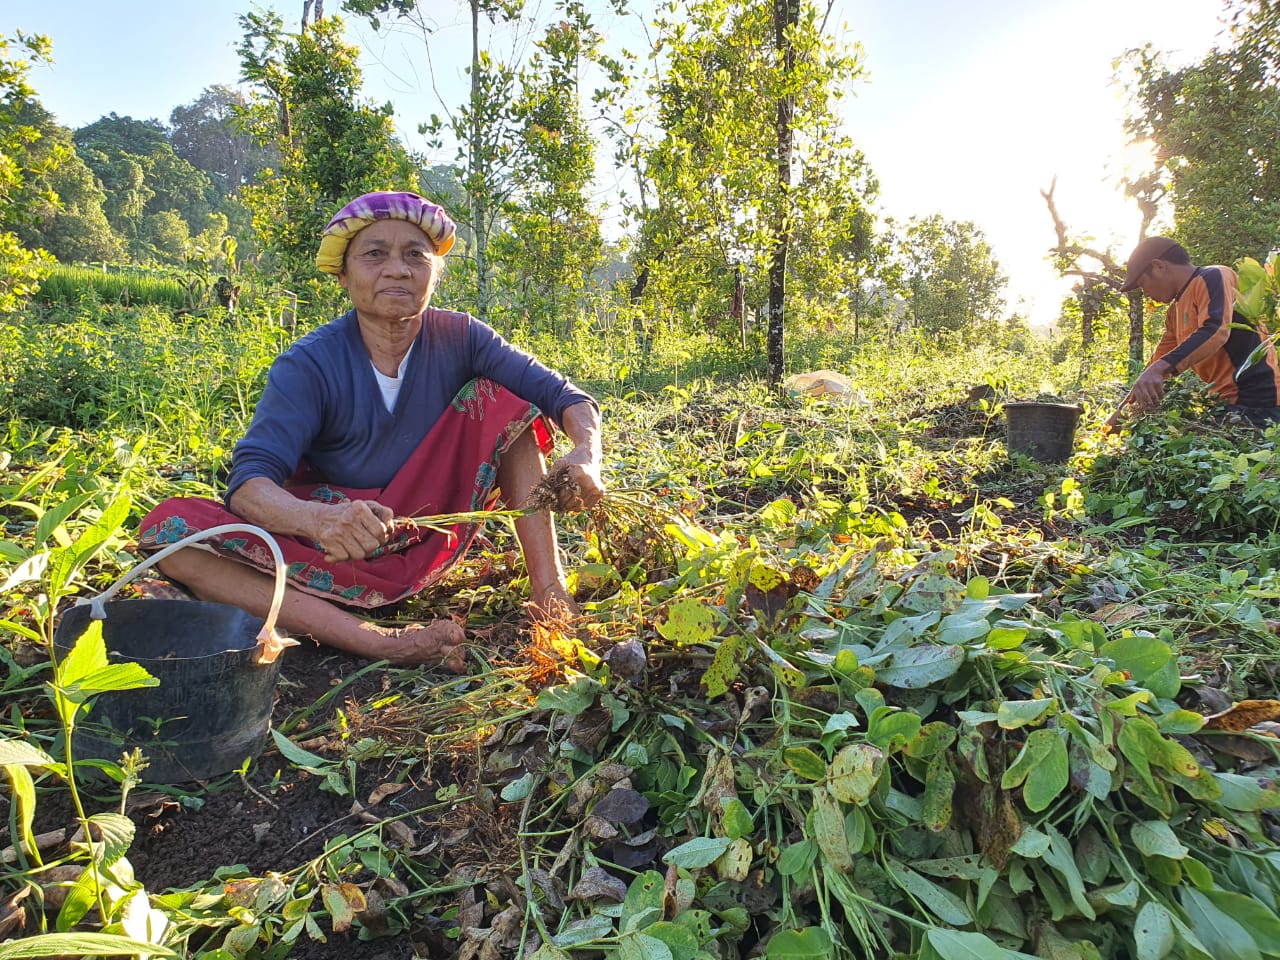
column 453, row 470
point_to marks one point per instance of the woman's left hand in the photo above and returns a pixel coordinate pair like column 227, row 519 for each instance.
column 575, row 478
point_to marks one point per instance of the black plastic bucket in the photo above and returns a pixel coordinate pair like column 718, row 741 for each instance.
column 212, row 709
column 1043, row 431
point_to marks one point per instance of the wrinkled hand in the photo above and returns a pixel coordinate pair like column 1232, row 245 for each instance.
column 353, row 530
column 576, row 479
column 1148, row 388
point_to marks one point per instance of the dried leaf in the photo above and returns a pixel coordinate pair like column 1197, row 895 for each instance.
column 384, row 790
column 599, row 829
column 13, row 916
column 598, row 883
column 401, row 833
column 1244, row 715
column 621, row 806
column 1117, row 613
column 343, row 901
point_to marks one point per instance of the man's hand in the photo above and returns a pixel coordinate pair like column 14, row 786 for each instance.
column 1149, row 387
column 1115, row 419
column 352, row 530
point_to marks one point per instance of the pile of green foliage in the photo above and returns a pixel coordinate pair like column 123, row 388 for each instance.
column 1192, row 469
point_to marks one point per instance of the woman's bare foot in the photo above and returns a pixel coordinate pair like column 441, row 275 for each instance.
column 434, row 642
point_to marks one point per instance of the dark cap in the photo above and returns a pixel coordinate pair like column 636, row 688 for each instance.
column 1148, row 249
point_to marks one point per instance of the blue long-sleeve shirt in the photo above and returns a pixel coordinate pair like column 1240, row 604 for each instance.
column 322, row 402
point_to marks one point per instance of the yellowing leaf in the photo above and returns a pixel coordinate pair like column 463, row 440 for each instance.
column 688, row 621
column 939, row 788
column 735, row 863
column 828, row 830
column 854, row 772
column 725, row 666
column 343, row 901
column 805, row 762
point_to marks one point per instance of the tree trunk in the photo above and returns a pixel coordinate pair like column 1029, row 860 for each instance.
column 476, row 197
column 786, row 13
column 1137, row 333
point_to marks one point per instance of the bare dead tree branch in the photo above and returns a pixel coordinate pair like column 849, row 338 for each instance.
column 1068, row 254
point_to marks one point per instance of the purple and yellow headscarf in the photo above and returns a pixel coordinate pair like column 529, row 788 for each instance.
column 383, row 205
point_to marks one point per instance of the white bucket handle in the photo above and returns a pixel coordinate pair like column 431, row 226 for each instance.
column 98, row 605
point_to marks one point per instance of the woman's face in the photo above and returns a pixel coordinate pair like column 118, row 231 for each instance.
column 390, row 270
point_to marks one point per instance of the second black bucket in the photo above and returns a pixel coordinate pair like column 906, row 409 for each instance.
column 212, row 709
column 1042, row 431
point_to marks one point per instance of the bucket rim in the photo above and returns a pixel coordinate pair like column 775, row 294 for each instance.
column 64, row 643
column 1019, row 404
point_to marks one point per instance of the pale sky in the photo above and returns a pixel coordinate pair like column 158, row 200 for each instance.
column 967, row 110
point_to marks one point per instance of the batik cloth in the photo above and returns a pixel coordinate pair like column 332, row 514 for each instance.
column 453, row 470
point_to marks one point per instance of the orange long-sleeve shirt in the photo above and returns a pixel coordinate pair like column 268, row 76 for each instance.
column 1198, row 334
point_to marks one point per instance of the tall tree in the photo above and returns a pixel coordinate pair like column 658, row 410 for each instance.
column 553, row 240
column 332, row 144
column 206, row 133
column 722, row 183
column 143, row 179
column 66, row 200
column 954, row 283
column 484, row 127
column 21, row 269
column 1213, row 125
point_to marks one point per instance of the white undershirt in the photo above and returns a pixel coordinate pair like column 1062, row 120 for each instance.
column 390, row 386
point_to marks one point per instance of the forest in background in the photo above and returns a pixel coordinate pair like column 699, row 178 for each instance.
column 740, row 221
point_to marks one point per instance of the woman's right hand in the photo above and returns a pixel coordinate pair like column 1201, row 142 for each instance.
column 353, row 529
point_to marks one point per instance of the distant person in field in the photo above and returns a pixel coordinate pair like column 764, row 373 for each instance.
column 393, row 410
column 1198, row 335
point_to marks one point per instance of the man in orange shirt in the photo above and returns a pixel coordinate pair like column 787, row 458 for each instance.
column 1198, row 333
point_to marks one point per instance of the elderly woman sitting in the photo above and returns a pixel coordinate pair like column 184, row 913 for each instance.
column 393, row 410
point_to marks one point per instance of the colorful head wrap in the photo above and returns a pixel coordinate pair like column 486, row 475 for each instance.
column 383, row 205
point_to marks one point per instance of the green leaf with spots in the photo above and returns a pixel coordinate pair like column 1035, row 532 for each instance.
column 854, row 772
column 938, row 900
column 1042, row 765
column 805, row 763
column 921, row 665
column 828, row 829
column 1155, row 838
column 725, row 667
column 1153, row 932
column 939, row 788
column 689, row 621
